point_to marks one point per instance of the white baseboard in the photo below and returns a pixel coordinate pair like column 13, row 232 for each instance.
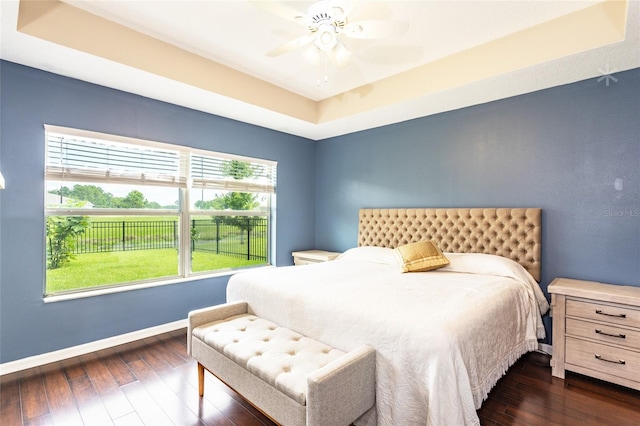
column 98, row 345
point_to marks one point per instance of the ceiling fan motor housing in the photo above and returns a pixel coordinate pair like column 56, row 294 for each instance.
column 326, row 21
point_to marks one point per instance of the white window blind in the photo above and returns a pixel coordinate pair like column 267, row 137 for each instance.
column 74, row 155
column 236, row 175
column 72, row 158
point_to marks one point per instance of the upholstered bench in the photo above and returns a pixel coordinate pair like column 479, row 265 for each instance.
column 291, row 378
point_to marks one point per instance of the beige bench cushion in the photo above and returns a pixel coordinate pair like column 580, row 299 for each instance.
column 277, row 355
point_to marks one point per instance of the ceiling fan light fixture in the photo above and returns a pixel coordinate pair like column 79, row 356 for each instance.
column 326, row 37
column 312, row 54
column 341, row 54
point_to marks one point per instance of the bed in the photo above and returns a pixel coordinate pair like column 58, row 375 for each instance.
column 443, row 338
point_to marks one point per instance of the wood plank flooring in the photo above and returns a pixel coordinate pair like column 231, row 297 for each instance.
column 154, row 382
column 529, row 395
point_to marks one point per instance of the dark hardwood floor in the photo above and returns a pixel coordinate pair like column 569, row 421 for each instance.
column 529, row 395
column 154, row 382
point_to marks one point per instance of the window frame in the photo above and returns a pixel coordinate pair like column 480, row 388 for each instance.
column 184, row 210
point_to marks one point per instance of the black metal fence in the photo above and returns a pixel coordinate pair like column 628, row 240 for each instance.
column 127, row 235
column 231, row 236
column 238, row 236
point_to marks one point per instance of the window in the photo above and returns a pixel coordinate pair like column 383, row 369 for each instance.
column 121, row 211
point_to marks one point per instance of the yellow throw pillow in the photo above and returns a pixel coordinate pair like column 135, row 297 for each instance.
column 420, row 257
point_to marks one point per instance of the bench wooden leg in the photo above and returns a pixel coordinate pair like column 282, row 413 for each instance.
column 200, row 379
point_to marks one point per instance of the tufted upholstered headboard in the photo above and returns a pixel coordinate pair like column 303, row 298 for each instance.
column 514, row 233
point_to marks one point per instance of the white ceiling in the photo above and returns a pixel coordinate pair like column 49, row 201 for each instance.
column 239, row 33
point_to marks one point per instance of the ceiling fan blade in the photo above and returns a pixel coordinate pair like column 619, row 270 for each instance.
column 342, row 7
column 375, row 29
column 279, row 9
column 292, row 45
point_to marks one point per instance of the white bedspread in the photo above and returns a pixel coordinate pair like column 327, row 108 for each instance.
column 443, row 338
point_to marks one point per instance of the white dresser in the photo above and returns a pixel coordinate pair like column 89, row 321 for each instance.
column 596, row 330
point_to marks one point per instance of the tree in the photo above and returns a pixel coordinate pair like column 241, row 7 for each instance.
column 61, row 233
column 204, row 205
column 91, row 193
column 101, row 199
column 133, row 200
column 238, row 169
column 237, row 200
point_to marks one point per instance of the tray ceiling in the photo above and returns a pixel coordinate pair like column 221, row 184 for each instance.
column 211, row 55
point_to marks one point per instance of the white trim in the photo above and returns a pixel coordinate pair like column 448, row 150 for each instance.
column 261, row 213
column 62, row 354
column 184, row 267
column 89, row 292
column 62, row 211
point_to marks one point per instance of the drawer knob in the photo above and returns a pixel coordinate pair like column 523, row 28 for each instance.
column 599, row 312
column 604, row 333
column 600, row 358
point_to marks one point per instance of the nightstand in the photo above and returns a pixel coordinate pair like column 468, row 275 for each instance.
column 313, row 256
column 596, row 330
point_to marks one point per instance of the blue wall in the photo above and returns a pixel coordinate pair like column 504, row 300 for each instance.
column 560, row 149
column 31, row 98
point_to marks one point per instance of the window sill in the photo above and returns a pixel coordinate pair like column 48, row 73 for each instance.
column 120, row 289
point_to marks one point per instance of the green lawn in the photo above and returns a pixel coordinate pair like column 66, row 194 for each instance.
column 100, row 269
column 202, row 261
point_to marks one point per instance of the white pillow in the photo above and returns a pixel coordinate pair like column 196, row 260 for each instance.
column 480, row 263
column 371, row 254
column 491, row 264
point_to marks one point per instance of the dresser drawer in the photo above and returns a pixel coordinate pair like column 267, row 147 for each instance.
column 615, row 314
column 605, row 333
column 603, row 358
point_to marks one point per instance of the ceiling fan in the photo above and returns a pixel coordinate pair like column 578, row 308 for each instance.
column 328, row 23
